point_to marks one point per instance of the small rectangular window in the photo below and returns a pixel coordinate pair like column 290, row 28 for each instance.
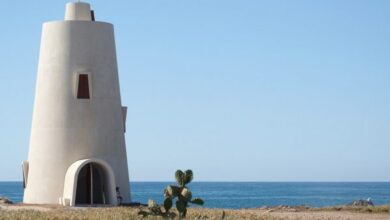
column 92, row 15
column 83, row 87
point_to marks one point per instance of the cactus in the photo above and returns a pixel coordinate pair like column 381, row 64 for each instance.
column 189, row 176
column 181, row 193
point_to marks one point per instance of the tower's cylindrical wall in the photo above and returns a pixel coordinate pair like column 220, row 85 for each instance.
column 78, row 11
column 66, row 129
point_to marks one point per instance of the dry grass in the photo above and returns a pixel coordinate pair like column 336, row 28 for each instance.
column 71, row 213
column 359, row 209
column 19, row 212
column 121, row 213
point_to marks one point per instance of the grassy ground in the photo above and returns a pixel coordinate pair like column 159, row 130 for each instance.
column 34, row 212
column 359, row 209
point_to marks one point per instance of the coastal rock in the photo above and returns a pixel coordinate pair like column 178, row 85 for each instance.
column 362, row 202
column 4, row 200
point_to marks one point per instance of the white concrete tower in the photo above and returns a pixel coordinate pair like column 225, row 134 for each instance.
column 77, row 152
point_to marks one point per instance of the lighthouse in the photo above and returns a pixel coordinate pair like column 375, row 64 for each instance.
column 77, row 151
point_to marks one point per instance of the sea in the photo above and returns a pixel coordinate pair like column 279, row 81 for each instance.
column 236, row 195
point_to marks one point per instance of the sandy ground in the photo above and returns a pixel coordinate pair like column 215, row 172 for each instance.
column 59, row 212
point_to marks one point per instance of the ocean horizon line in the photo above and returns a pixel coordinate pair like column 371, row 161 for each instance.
column 238, row 195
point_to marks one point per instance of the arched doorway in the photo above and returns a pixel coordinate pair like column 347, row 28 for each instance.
column 91, row 186
column 104, row 185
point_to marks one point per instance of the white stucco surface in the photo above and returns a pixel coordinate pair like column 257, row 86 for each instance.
column 78, row 11
column 66, row 129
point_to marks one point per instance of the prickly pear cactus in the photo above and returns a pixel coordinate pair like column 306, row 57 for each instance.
column 186, row 194
column 181, row 193
column 172, row 191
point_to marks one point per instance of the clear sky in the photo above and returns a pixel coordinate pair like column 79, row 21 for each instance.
column 237, row 90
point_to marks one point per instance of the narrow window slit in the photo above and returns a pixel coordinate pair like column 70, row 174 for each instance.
column 83, row 87
column 92, row 15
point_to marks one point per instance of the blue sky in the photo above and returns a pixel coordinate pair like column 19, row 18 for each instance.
column 237, row 90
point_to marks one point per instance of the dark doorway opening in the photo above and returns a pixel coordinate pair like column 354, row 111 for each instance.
column 90, row 185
